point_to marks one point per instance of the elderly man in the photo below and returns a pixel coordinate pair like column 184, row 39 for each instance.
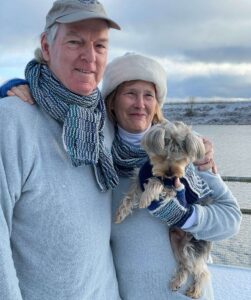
column 54, row 164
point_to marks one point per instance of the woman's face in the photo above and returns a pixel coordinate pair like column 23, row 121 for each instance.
column 135, row 105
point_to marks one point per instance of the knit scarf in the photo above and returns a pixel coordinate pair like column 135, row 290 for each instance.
column 126, row 157
column 83, row 122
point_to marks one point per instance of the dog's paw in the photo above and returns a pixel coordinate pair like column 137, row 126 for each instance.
column 119, row 218
column 143, row 204
column 193, row 292
column 175, row 284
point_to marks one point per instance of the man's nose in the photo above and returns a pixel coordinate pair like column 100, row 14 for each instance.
column 88, row 54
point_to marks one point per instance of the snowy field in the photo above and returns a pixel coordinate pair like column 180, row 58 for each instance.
column 214, row 113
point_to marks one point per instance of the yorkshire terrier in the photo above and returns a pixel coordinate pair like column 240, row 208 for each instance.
column 171, row 147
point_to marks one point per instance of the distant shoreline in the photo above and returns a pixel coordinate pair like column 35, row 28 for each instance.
column 209, row 113
column 202, row 100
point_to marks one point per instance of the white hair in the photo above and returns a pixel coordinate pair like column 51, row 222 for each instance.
column 50, row 33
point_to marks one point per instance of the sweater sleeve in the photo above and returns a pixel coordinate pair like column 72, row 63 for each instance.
column 13, row 174
column 10, row 84
column 222, row 217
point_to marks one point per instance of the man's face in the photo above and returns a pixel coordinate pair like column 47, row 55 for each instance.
column 78, row 55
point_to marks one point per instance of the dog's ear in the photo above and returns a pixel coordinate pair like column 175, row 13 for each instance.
column 153, row 140
column 194, row 146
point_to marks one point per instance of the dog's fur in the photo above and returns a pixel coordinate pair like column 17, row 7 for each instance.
column 170, row 147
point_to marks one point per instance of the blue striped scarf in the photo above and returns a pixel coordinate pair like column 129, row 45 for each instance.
column 126, row 157
column 83, row 122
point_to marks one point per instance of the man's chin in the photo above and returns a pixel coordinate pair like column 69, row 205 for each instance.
column 83, row 89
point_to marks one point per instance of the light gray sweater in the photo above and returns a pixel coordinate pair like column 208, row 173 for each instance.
column 55, row 224
column 143, row 257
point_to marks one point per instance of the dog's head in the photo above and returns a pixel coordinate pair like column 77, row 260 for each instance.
column 170, row 147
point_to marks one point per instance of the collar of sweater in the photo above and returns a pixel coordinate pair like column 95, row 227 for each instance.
column 131, row 138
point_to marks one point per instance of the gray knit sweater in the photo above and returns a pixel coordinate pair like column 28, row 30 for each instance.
column 54, row 222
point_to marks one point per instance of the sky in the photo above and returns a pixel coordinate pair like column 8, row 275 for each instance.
column 204, row 45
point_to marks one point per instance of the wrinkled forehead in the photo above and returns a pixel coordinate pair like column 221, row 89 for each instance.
column 94, row 30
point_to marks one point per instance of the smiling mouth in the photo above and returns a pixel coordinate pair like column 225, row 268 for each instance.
column 138, row 115
column 84, row 72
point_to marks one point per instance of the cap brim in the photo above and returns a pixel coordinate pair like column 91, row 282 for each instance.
column 79, row 16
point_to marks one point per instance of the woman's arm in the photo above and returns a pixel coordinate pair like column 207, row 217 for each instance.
column 221, row 219
column 17, row 87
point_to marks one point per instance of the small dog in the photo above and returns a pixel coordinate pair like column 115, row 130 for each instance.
column 171, row 147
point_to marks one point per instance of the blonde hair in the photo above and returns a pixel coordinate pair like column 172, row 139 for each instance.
column 109, row 101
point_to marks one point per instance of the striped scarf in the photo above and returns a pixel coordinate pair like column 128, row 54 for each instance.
column 126, row 157
column 83, row 122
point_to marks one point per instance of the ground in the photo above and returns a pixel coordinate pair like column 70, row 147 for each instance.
column 221, row 113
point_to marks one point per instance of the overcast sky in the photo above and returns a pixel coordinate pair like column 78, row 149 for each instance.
column 205, row 45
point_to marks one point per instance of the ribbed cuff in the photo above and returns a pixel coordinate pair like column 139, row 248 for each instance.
column 169, row 211
column 183, row 220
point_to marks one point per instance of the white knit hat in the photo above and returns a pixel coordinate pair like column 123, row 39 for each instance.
column 133, row 66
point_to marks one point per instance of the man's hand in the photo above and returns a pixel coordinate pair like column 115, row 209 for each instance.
column 207, row 162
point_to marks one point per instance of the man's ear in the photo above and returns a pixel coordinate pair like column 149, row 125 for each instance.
column 45, row 47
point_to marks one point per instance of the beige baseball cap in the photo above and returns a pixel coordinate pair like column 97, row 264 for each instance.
column 69, row 11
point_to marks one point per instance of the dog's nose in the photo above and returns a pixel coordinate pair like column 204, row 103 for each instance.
column 169, row 173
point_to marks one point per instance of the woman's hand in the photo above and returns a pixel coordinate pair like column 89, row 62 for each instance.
column 23, row 92
column 207, row 162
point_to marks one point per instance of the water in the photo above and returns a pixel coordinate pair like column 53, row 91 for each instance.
column 232, row 145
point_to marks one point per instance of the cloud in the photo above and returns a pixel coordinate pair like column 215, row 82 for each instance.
column 216, row 86
column 189, row 78
column 182, row 68
column 202, row 44
column 184, row 28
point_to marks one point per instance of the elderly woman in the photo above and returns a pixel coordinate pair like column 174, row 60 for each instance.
column 134, row 88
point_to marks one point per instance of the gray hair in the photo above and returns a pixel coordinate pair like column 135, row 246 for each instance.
column 50, row 33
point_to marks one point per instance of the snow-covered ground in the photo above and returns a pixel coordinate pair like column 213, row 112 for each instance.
column 209, row 112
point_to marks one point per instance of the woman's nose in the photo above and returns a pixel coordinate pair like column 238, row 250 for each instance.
column 140, row 101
